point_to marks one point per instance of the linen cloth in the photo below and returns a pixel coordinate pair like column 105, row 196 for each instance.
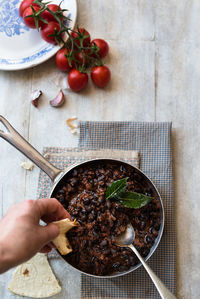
column 153, row 141
column 65, row 157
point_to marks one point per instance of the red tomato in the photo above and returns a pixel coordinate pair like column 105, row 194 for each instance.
column 77, row 80
column 62, row 61
column 103, row 47
column 47, row 30
column 79, row 57
column 75, row 34
column 46, row 15
column 30, row 21
column 25, row 4
column 100, row 75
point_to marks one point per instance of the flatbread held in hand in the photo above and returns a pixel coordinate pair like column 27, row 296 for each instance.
column 61, row 242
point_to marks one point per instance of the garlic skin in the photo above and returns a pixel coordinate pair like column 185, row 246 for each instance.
column 74, row 131
column 73, row 127
column 28, row 165
column 59, row 80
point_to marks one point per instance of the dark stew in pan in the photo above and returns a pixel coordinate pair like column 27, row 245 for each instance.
column 82, row 193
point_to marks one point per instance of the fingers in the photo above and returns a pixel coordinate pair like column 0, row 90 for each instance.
column 48, row 233
column 52, row 245
column 51, row 210
column 45, row 249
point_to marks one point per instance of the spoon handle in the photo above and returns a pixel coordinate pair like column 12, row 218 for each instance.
column 162, row 289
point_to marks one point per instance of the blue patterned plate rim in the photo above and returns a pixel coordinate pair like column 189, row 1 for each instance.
column 11, row 26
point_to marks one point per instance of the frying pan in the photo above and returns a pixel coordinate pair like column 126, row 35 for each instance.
column 57, row 175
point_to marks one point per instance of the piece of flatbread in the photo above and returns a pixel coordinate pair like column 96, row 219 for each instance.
column 61, row 242
column 34, row 279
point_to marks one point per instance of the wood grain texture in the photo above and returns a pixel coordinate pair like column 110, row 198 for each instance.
column 154, row 58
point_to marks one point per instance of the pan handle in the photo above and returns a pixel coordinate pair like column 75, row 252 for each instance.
column 14, row 138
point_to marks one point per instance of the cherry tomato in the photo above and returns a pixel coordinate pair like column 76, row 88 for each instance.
column 46, row 15
column 77, row 80
column 62, row 61
column 30, row 21
column 79, row 57
column 47, row 30
column 100, row 75
column 25, row 4
column 86, row 41
column 103, row 47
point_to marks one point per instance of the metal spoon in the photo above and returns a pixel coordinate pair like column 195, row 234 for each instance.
column 125, row 240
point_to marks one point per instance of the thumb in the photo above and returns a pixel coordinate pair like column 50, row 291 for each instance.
column 49, row 232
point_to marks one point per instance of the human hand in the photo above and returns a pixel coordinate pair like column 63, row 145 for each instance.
column 21, row 234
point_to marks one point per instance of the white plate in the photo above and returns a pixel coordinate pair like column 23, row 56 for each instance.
column 21, row 47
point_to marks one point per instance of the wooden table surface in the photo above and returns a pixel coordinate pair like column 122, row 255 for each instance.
column 155, row 63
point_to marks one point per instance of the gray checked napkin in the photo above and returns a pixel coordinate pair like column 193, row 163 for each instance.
column 125, row 141
column 153, row 141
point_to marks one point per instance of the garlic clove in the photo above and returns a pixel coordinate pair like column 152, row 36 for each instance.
column 35, row 95
column 58, row 100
